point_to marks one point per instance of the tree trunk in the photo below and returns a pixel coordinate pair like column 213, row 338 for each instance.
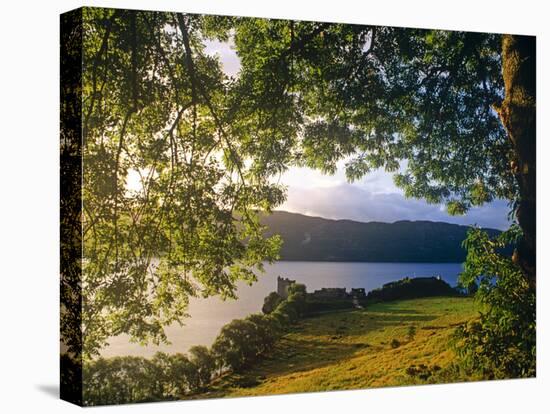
column 518, row 115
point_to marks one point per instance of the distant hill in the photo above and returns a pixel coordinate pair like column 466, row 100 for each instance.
column 317, row 239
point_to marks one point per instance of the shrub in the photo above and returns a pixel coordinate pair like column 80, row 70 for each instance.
column 408, row 288
column 235, row 346
column 205, row 364
column 120, row 380
column 411, row 332
column 298, row 301
column 435, row 374
column 184, row 375
column 266, row 331
column 271, row 302
column 241, row 342
column 502, row 342
column 160, row 368
column 286, row 313
column 297, row 288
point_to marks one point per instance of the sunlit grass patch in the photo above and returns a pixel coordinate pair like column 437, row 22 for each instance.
column 386, row 344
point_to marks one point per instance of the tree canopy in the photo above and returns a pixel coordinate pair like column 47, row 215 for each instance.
column 179, row 158
column 415, row 102
column 452, row 114
column 169, row 203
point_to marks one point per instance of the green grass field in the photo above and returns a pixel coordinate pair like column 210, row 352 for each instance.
column 362, row 348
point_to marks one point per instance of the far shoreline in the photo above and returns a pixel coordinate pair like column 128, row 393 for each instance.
column 360, row 261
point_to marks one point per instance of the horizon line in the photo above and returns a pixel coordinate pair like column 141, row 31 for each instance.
column 380, row 222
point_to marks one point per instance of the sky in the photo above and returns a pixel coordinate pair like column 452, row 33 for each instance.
column 373, row 198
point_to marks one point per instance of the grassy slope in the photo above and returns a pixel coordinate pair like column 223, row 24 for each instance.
column 352, row 349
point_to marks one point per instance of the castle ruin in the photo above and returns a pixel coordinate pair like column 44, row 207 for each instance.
column 282, row 286
column 325, row 293
column 358, row 292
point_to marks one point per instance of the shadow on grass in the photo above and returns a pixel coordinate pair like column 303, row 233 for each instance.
column 387, row 308
column 290, row 355
column 320, row 341
column 332, row 338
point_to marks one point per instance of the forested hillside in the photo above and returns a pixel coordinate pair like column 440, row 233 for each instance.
column 315, row 238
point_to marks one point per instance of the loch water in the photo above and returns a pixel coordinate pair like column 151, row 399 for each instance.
column 207, row 316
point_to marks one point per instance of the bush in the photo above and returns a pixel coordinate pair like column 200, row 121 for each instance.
column 286, row 313
column 411, row 332
column 408, row 288
column 422, row 371
column 266, row 331
column 161, row 376
column 121, row 380
column 502, row 342
column 298, row 301
column 205, row 364
column 184, row 375
column 271, row 302
column 235, row 346
column 240, row 343
column 297, row 288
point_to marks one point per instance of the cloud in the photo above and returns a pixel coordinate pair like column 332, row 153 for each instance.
column 231, row 63
column 354, row 202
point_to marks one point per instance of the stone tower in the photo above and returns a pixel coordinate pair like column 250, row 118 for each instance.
column 283, row 285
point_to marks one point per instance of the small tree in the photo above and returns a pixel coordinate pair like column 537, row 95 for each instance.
column 266, row 331
column 297, row 288
column 502, row 342
column 271, row 302
column 120, row 380
column 204, row 362
column 298, row 301
column 184, row 374
column 234, row 347
column 160, row 376
column 286, row 312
